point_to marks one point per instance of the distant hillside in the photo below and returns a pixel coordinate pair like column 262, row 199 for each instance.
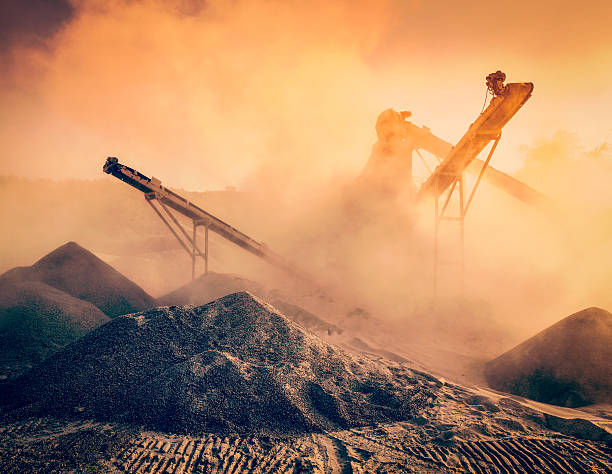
column 78, row 272
column 36, row 320
column 234, row 365
column 568, row 364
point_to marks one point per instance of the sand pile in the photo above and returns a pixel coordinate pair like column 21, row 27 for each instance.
column 78, row 272
column 234, row 365
column 36, row 320
column 568, row 364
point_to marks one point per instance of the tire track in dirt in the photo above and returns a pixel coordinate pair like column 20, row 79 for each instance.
column 532, row 455
column 335, row 456
column 388, row 448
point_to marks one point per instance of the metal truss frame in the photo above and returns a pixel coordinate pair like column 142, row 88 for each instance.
column 456, row 188
column 188, row 242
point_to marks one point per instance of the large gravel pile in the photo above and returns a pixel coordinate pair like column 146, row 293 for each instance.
column 233, row 365
column 36, row 320
column 568, row 364
column 78, row 272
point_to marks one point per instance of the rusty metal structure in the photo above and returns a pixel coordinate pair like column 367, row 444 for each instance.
column 427, row 141
column 448, row 177
column 393, row 128
column 485, row 129
column 167, row 199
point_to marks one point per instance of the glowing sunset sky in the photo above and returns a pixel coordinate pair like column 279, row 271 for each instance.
column 213, row 95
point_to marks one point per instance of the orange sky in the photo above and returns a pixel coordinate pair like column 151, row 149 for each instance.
column 204, row 98
column 283, row 96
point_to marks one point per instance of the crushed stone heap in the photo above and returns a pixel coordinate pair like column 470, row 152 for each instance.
column 78, row 272
column 235, row 365
column 568, row 364
column 36, row 320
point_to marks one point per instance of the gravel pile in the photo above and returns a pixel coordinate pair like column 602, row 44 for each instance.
column 568, row 364
column 36, row 320
column 235, row 365
column 78, row 272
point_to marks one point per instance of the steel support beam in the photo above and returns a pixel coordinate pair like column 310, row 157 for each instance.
column 457, row 187
column 206, row 248
column 482, row 171
column 193, row 251
column 168, row 225
column 188, row 242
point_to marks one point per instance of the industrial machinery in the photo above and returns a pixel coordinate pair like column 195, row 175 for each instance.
column 401, row 137
column 506, row 101
column 423, row 139
column 391, row 162
column 449, row 175
column 154, row 191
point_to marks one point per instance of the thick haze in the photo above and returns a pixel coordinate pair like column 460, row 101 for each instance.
column 280, row 98
column 209, row 94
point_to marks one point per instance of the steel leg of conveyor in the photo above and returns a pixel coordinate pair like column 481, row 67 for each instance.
column 206, row 249
column 482, row 171
column 194, row 251
column 435, row 269
column 440, row 215
column 169, row 226
column 195, row 248
column 463, row 208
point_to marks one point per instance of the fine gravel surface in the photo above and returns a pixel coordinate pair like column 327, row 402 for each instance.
column 235, row 365
column 78, row 272
column 36, row 320
column 567, row 364
column 235, row 386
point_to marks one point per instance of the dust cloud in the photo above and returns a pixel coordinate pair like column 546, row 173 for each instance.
column 238, row 91
column 280, row 101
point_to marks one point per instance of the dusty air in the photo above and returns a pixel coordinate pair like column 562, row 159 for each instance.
column 252, row 237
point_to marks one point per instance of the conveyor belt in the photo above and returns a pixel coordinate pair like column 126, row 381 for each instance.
column 424, row 139
column 486, row 128
column 152, row 187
